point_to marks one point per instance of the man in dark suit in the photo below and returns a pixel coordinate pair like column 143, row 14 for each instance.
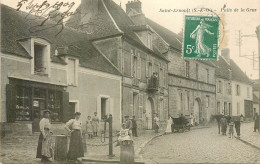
column 134, row 129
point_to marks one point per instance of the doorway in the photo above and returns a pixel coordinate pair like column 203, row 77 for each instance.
column 149, row 114
column 197, row 111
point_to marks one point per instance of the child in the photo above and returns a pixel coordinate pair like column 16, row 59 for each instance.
column 231, row 129
column 123, row 135
column 89, row 127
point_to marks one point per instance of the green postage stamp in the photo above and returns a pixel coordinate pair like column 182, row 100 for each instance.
column 201, row 37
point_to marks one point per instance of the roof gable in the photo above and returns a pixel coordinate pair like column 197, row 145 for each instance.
column 238, row 74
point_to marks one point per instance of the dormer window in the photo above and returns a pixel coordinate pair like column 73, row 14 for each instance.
column 40, row 64
column 149, row 40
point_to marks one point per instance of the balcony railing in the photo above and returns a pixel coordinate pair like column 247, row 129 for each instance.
column 153, row 83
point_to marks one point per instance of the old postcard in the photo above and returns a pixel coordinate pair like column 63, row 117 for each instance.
column 140, row 81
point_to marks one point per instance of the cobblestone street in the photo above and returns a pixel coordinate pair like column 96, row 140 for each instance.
column 201, row 146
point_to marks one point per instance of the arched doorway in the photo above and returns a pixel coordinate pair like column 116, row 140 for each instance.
column 197, row 110
column 149, row 113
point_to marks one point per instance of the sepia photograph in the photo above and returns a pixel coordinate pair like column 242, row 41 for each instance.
column 129, row 81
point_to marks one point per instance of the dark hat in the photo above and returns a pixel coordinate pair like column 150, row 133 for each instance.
column 46, row 111
column 77, row 113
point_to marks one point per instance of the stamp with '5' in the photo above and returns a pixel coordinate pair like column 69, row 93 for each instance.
column 201, row 37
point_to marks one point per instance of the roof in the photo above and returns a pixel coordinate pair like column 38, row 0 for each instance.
column 238, row 74
column 15, row 26
column 223, row 68
column 111, row 20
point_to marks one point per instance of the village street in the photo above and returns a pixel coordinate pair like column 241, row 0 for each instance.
column 203, row 146
column 198, row 145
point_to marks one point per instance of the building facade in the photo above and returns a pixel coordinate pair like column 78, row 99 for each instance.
column 128, row 46
column 224, row 84
column 63, row 73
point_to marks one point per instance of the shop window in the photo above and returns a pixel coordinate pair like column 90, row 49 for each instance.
column 23, row 110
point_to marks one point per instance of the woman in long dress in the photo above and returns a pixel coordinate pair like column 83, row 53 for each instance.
column 169, row 125
column 44, row 149
column 95, row 123
column 76, row 145
column 199, row 33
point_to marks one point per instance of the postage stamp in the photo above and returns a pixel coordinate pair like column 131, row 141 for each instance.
column 201, row 34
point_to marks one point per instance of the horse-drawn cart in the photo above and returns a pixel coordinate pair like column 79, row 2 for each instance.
column 181, row 124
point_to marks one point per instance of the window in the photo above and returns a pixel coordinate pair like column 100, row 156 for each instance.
column 71, row 71
column 207, row 70
column 150, row 69
column 218, row 107
column 219, row 86
column 238, row 108
column 143, row 67
column 248, row 92
column 187, row 68
column 103, row 107
column 229, row 88
column 161, row 77
column 40, row 59
column 149, row 40
column 237, row 90
column 188, row 100
column 135, row 65
column 207, row 101
column 135, row 104
column 197, row 71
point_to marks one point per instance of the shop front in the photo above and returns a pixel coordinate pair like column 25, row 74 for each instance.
column 26, row 101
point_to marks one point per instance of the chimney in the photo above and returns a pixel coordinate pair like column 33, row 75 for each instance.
column 89, row 8
column 135, row 5
column 226, row 54
column 55, row 15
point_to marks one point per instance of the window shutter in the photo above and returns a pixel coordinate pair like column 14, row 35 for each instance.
column 132, row 63
column 10, row 102
column 131, row 107
column 140, row 114
column 139, row 67
column 147, row 69
column 65, row 106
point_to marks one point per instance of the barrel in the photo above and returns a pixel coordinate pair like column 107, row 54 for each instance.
column 61, row 148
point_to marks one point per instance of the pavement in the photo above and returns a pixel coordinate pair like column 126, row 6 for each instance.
column 22, row 149
column 203, row 146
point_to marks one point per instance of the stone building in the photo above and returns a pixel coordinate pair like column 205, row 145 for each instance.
column 128, row 46
column 49, row 68
column 223, row 84
column 191, row 82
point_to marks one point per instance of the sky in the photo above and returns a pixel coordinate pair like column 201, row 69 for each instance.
column 245, row 21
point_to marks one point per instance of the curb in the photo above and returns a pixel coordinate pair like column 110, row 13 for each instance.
column 248, row 143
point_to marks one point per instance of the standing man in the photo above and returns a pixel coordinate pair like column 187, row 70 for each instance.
column 128, row 125
column 237, row 127
column 134, row 127
column 256, row 126
column 95, row 123
column 44, row 142
column 156, row 123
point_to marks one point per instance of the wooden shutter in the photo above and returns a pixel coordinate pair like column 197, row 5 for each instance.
column 65, row 107
column 131, row 107
column 140, row 113
column 10, row 102
column 139, row 67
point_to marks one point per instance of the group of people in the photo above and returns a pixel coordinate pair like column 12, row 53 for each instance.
column 45, row 149
column 92, row 125
column 227, row 121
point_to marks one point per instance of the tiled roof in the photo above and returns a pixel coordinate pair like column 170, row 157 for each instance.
column 222, row 70
column 15, row 26
column 173, row 39
column 238, row 74
column 111, row 20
